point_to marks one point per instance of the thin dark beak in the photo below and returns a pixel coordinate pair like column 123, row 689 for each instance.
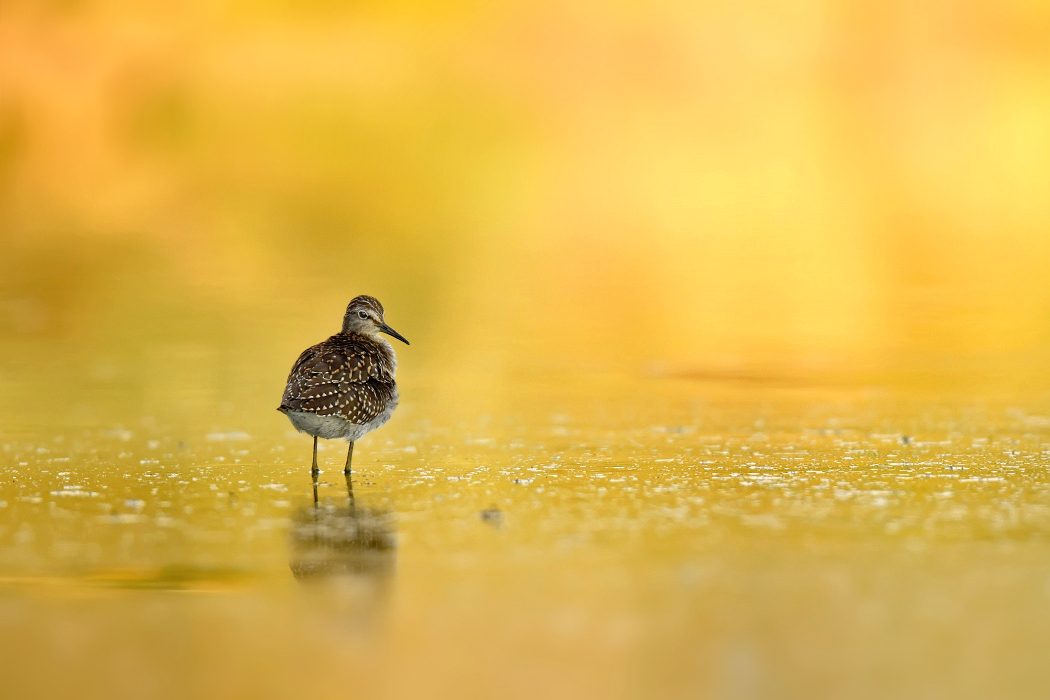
column 383, row 328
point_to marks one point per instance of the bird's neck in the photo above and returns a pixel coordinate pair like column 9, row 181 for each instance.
column 388, row 352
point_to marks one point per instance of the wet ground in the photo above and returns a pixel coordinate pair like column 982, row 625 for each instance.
column 647, row 537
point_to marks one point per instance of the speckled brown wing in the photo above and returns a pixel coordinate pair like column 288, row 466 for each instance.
column 335, row 378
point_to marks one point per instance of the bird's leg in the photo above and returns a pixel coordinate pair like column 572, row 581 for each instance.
column 314, row 475
column 349, row 455
column 314, row 469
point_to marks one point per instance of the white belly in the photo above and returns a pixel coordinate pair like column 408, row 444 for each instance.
column 336, row 428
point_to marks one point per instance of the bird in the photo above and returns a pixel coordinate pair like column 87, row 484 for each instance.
column 343, row 387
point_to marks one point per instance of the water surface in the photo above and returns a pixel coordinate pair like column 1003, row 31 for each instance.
column 653, row 536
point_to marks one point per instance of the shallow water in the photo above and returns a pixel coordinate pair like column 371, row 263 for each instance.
column 730, row 334
column 642, row 537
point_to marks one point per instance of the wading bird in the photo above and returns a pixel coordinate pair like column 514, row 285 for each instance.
column 344, row 387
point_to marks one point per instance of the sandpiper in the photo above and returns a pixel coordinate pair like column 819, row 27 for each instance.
column 344, row 387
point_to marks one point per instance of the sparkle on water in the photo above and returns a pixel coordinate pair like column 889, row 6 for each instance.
column 729, row 364
column 657, row 536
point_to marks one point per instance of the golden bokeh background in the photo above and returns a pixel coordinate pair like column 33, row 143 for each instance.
column 684, row 187
column 716, row 300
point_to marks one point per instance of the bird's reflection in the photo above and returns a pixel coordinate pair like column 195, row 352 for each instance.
column 349, row 545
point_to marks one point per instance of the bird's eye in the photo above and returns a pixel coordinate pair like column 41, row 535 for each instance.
column 362, row 314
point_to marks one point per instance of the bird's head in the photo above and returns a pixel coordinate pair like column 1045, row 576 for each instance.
column 364, row 315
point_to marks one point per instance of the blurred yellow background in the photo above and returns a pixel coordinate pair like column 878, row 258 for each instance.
column 573, row 210
column 708, row 188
